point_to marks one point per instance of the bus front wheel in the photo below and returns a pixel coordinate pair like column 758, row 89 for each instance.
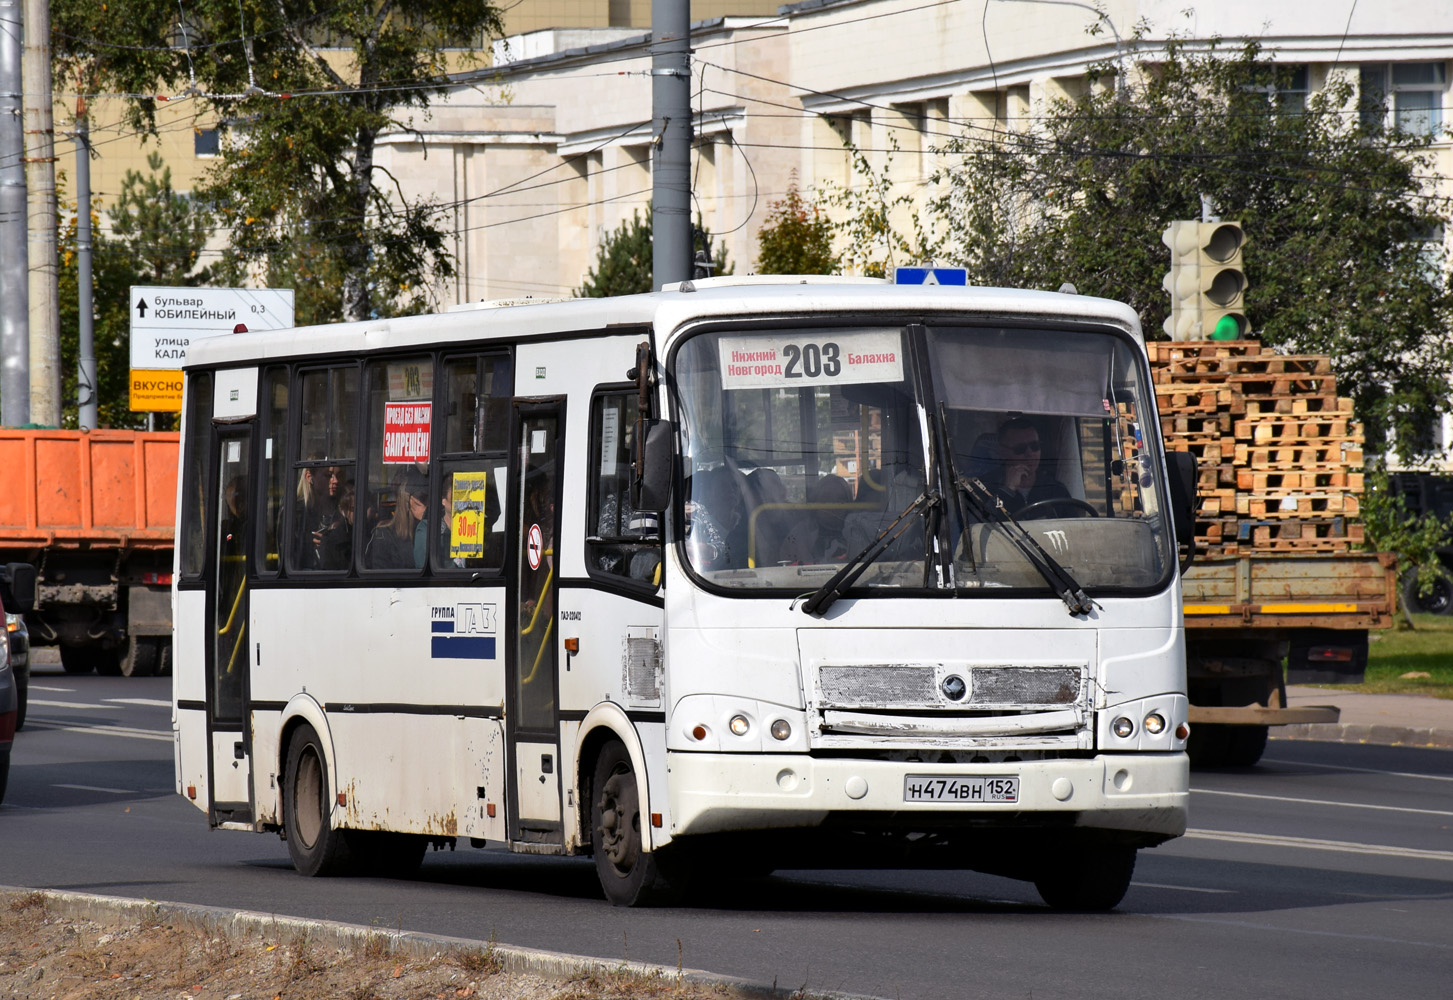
column 1091, row 878
column 629, row 874
column 315, row 846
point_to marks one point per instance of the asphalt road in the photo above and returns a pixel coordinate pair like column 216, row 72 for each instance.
column 1325, row 872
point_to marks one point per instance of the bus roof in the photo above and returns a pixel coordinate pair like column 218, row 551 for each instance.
column 774, row 296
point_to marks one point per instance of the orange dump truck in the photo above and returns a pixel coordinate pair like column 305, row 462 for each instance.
column 95, row 513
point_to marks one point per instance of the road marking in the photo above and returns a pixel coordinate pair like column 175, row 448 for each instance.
column 1360, row 770
column 1280, row 929
column 65, row 704
column 1311, row 844
column 39, row 687
column 102, row 730
column 147, row 702
column 97, row 788
column 1323, row 802
column 1181, row 888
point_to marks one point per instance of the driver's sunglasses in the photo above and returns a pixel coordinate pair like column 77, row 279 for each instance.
column 1025, row 448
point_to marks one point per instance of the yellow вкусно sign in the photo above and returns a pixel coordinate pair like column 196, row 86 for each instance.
column 153, row 389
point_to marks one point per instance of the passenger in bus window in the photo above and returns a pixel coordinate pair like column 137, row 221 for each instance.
column 392, row 544
column 334, row 541
column 316, row 508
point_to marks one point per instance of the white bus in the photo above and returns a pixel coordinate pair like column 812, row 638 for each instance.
column 746, row 574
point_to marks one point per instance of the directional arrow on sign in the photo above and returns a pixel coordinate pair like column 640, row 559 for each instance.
column 141, row 308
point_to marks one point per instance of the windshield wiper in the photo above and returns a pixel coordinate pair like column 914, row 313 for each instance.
column 843, row 579
column 989, row 507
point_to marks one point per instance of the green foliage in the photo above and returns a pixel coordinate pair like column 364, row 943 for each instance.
column 1337, row 215
column 1392, row 528
column 796, row 238
column 156, row 236
column 623, row 261
column 873, row 246
column 297, row 183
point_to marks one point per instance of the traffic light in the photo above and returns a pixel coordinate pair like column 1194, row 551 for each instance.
column 1206, row 283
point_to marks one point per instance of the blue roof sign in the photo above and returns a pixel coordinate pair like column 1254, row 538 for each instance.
column 930, row 276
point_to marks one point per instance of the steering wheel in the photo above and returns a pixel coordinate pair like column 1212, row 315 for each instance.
column 1040, row 507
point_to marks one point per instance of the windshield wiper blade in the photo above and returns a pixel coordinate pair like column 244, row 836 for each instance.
column 989, row 507
column 843, row 579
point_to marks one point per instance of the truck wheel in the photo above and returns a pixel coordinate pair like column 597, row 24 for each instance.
column 141, row 657
column 629, row 874
column 1245, row 745
column 1438, row 600
column 315, row 846
column 1209, row 745
column 108, row 662
column 1088, row 879
column 77, row 660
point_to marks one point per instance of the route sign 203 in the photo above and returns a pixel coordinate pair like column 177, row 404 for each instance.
column 959, row 788
column 811, row 357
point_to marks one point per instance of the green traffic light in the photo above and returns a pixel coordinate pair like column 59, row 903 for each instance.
column 1227, row 328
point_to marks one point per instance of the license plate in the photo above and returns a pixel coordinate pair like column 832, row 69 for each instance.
column 959, row 788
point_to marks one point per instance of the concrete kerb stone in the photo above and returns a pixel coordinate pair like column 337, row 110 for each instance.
column 117, row 911
column 1335, row 732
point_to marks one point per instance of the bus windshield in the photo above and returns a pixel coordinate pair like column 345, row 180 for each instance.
column 802, row 447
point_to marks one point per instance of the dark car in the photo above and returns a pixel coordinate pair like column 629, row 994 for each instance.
column 17, row 595
column 8, row 702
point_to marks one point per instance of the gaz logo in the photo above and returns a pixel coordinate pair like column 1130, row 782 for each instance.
column 463, row 632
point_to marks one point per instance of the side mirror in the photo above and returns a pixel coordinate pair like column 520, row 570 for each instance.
column 1183, row 502
column 653, row 479
column 20, row 578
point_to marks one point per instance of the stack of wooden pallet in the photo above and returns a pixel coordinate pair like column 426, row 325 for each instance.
column 1279, row 451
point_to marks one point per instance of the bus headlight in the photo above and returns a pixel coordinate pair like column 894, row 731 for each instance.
column 739, row 725
column 781, row 730
column 1155, row 723
column 1123, row 728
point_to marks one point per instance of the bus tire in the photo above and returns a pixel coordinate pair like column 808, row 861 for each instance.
column 629, row 874
column 1089, row 879
column 315, row 847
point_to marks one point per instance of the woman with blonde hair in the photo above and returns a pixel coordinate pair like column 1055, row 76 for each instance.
column 393, row 544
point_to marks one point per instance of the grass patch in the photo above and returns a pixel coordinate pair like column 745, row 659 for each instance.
column 1425, row 649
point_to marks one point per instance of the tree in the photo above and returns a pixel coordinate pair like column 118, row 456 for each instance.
column 297, row 181
column 156, row 237
column 1337, row 208
column 796, row 238
column 624, row 264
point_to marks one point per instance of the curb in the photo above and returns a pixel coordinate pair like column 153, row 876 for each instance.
column 114, row 911
column 1395, row 736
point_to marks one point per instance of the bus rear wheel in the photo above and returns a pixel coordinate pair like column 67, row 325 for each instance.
column 629, row 874
column 314, row 845
column 1088, row 879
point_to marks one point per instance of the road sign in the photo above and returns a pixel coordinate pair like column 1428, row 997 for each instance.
column 166, row 319
column 930, row 276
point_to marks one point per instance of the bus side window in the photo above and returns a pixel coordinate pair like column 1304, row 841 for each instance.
column 323, row 470
column 274, row 411
column 474, row 443
column 619, row 540
column 398, row 513
column 197, row 474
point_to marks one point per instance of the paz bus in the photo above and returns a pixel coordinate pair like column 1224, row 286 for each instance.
column 743, row 575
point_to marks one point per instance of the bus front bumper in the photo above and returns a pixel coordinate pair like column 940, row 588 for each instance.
column 1145, row 793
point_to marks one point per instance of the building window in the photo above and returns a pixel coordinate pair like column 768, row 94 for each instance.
column 1408, row 96
column 206, row 142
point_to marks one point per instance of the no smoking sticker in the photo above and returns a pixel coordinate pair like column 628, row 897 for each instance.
column 535, row 546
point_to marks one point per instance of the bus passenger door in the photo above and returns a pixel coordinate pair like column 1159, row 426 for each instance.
column 227, row 640
column 531, row 722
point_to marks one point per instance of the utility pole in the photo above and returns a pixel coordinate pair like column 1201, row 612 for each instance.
column 86, row 345
column 671, row 256
column 14, row 267
column 39, row 124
